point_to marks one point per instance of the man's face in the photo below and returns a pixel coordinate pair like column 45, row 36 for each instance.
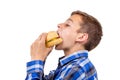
column 68, row 32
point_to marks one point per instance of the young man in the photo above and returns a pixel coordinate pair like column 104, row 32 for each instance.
column 80, row 33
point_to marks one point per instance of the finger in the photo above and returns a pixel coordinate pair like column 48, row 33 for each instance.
column 39, row 37
column 43, row 37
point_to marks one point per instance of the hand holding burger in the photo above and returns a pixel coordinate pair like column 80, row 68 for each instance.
column 43, row 45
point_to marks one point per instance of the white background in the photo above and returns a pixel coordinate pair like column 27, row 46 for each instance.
column 22, row 21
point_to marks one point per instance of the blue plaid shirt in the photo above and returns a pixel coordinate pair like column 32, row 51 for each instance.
column 76, row 66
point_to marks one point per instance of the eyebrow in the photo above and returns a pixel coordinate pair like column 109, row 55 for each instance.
column 70, row 20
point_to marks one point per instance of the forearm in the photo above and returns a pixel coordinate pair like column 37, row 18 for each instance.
column 39, row 53
column 35, row 70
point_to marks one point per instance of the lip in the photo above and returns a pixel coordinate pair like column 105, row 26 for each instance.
column 58, row 34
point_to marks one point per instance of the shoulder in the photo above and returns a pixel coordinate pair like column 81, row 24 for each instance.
column 83, row 65
column 78, row 69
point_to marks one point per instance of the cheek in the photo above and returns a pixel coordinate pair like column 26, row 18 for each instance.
column 68, row 36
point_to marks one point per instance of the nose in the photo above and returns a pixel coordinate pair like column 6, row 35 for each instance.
column 60, row 26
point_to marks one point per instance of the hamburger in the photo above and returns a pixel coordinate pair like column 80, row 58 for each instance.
column 53, row 39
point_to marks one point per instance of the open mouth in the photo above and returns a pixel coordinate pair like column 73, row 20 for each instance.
column 58, row 35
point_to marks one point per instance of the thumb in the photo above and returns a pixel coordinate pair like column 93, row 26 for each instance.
column 43, row 37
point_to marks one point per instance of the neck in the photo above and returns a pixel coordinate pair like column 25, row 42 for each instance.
column 72, row 50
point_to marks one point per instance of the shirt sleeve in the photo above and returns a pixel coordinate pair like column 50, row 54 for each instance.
column 35, row 71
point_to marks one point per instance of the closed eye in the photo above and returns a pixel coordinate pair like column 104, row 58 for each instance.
column 67, row 25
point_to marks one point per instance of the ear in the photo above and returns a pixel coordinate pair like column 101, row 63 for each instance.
column 82, row 37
